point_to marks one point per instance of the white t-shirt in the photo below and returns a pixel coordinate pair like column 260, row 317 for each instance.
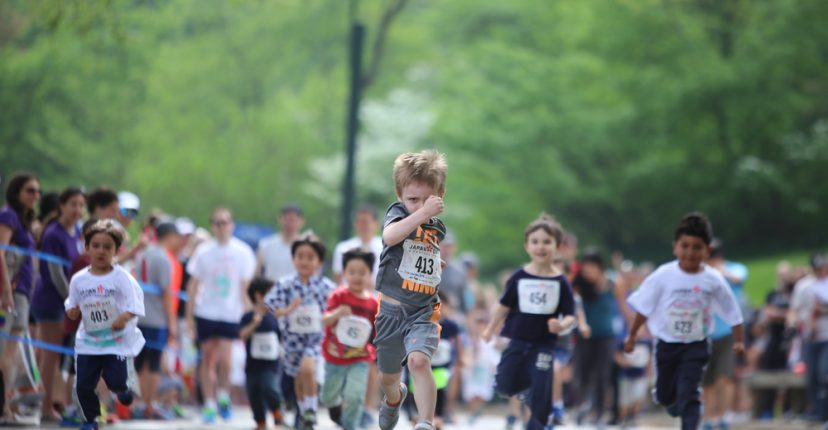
column 374, row 246
column 275, row 256
column 818, row 292
column 679, row 306
column 802, row 301
column 222, row 271
column 101, row 300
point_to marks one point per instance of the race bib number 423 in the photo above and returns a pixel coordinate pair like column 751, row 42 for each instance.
column 686, row 324
column 420, row 263
column 538, row 296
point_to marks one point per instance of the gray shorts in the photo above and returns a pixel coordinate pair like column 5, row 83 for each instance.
column 402, row 330
column 18, row 320
column 722, row 360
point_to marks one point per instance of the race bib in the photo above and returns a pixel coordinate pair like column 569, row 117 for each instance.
column 99, row 315
column 420, row 263
column 353, row 331
column 264, row 346
column 442, row 356
column 639, row 357
column 686, row 324
column 538, row 296
column 305, row 319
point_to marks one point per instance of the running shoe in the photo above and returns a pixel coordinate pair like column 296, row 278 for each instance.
column 388, row 415
column 224, row 409
column 208, row 415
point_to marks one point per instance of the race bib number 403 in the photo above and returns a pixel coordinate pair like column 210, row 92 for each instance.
column 420, row 263
column 538, row 296
column 99, row 315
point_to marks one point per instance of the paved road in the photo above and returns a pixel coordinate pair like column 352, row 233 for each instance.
column 242, row 420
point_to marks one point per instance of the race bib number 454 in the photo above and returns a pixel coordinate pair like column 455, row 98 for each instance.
column 420, row 263
column 538, row 296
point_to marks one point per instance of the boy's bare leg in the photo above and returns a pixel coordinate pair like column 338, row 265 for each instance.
column 425, row 391
column 391, row 387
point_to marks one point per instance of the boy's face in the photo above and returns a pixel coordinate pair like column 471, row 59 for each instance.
column 357, row 275
column 541, row 247
column 366, row 224
column 414, row 195
column 101, row 250
column 306, row 261
column 691, row 251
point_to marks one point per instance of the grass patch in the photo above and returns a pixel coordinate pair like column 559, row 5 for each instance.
column 762, row 273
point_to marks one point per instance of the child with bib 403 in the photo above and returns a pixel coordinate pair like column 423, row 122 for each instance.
column 260, row 333
column 536, row 305
column 349, row 324
column 108, row 300
column 678, row 302
column 299, row 302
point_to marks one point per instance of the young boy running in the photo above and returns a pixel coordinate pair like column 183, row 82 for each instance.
column 108, row 300
column 349, row 323
column 678, row 302
column 407, row 331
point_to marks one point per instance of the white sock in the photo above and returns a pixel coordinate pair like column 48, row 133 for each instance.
column 210, row 403
column 558, row 404
column 223, row 395
column 301, row 404
column 313, row 402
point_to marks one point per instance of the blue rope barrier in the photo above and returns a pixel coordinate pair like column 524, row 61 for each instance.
column 49, row 258
column 60, row 349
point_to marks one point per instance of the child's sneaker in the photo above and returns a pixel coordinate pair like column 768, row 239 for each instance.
column 557, row 416
column 278, row 418
column 309, row 419
column 423, row 425
column 89, row 426
column 208, row 415
column 335, row 412
column 224, row 409
column 390, row 415
column 510, row 422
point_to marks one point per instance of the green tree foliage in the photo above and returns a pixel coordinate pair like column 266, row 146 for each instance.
column 616, row 116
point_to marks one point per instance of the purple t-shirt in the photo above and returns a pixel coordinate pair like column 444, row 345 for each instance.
column 21, row 238
column 58, row 242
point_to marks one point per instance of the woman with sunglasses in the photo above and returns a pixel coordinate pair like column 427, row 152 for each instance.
column 16, row 270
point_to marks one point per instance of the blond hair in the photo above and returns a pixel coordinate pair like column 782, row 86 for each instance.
column 428, row 167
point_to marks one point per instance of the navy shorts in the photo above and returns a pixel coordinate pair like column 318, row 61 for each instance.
column 210, row 329
column 151, row 354
column 48, row 315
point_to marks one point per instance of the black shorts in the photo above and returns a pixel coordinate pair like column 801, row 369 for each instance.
column 156, row 339
column 210, row 329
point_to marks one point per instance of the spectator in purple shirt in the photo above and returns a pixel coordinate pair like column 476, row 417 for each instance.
column 16, row 277
column 61, row 238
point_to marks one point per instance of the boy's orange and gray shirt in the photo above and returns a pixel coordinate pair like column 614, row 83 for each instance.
column 426, row 238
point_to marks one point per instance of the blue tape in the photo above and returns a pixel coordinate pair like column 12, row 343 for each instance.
column 60, row 349
column 49, row 258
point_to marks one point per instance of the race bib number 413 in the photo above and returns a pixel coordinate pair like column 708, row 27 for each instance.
column 420, row 263
column 538, row 296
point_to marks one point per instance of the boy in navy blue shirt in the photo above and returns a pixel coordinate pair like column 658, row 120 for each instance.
column 536, row 305
column 260, row 333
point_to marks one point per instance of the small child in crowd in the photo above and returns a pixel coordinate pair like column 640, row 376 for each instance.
column 108, row 300
column 299, row 303
column 349, row 324
column 537, row 304
column 260, row 333
column 678, row 302
column 632, row 381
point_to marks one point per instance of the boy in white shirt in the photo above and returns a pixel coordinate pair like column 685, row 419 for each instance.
column 678, row 302
column 108, row 299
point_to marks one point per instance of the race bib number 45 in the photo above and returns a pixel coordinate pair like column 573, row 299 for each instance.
column 420, row 263
column 353, row 331
column 99, row 315
column 538, row 296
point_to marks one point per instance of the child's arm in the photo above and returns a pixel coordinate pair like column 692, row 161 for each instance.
column 629, row 343
column 121, row 321
column 620, row 359
column 499, row 316
column 558, row 325
column 283, row 312
column 248, row 329
column 396, row 232
column 738, row 339
column 71, row 303
column 331, row 317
